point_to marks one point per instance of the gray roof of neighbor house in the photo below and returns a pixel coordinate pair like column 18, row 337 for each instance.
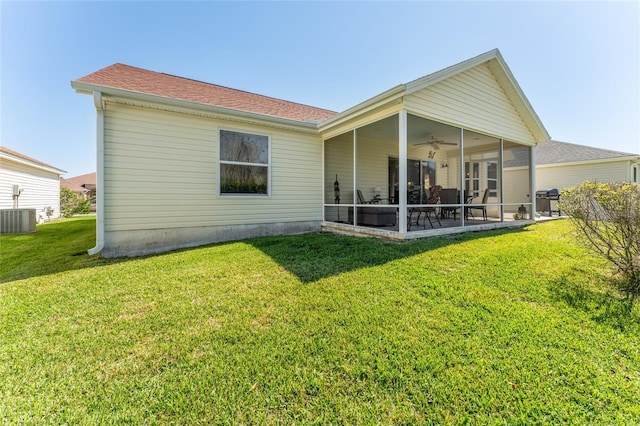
column 64, row 183
column 132, row 79
column 87, row 179
column 556, row 152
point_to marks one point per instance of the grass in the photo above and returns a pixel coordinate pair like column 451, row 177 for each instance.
column 503, row 327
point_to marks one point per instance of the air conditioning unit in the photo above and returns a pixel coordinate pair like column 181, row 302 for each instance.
column 17, row 221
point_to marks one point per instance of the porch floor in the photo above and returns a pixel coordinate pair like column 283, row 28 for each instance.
column 447, row 227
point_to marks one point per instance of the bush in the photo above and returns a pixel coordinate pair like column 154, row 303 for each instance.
column 71, row 203
column 234, row 186
column 607, row 219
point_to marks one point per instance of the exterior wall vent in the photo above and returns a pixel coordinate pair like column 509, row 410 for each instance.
column 17, row 221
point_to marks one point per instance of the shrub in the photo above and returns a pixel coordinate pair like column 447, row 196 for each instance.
column 607, row 220
column 235, row 186
column 71, row 203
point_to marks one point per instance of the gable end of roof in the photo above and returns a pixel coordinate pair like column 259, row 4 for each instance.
column 505, row 78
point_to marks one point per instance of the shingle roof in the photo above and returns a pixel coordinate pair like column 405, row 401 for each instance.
column 139, row 80
column 65, row 183
column 556, row 152
column 553, row 152
column 29, row 159
column 87, row 179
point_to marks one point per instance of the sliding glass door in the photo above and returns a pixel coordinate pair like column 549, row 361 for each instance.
column 421, row 175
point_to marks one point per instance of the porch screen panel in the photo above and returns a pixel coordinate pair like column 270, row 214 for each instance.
column 338, row 177
column 517, row 180
column 482, row 177
column 375, row 144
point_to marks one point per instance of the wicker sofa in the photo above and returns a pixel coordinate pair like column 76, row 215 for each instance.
column 375, row 216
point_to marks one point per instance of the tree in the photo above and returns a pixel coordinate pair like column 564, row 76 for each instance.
column 71, row 203
column 607, row 220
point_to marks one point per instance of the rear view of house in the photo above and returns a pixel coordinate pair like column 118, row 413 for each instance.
column 184, row 163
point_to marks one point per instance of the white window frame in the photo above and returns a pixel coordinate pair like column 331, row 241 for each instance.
column 493, row 193
column 220, row 162
column 472, row 178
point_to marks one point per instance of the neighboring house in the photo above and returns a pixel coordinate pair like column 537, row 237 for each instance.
column 562, row 165
column 29, row 184
column 184, row 163
column 83, row 185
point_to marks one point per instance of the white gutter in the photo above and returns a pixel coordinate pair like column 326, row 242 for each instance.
column 97, row 101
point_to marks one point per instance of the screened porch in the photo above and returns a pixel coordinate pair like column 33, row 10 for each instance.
column 406, row 176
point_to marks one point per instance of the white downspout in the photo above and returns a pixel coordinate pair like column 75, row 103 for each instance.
column 97, row 101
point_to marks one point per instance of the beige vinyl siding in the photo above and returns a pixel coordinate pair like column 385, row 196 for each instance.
column 474, row 100
column 161, row 172
column 566, row 176
column 40, row 189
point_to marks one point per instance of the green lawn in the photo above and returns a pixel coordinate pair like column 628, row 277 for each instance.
column 508, row 327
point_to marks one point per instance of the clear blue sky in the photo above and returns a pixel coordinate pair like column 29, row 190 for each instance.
column 577, row 62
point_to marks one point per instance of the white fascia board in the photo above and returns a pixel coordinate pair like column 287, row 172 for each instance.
column 9, row 157
column 221, row 112
column 363, row 107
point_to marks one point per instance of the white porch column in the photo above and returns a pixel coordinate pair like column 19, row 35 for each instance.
column 402, row 184
column 532, row 181
column 355, row 176
column 461, row 171
column 501, row 177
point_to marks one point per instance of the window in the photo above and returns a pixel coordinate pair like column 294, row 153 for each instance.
column 492, row 178
column 472, row 178
column 244, row 163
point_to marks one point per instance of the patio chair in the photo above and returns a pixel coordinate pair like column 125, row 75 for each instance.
column 361, row 199
column 449, row 196
column 433, row 198
column 483, row 206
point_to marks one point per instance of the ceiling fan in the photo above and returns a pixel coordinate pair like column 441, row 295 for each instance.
column 435, row 143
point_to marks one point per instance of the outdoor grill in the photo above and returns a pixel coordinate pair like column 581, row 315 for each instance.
column 547, row 201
